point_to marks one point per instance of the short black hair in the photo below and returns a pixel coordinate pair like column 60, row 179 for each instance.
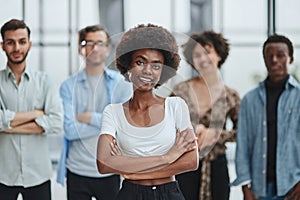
column 211, row 38
column 93, row 28
column 14, row 24
column 275, row 38
column 148, row 36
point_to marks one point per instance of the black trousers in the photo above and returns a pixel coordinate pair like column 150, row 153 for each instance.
column 167, row 191
column 42, row 191
column 84, row 188
column 190, row 182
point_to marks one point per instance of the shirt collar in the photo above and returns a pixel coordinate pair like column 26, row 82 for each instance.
column 291, row 82
column 9, row 73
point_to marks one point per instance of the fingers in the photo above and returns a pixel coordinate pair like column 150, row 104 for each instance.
column 191, row 146
column 185, row 135
column 115, row 151
column 187, row 140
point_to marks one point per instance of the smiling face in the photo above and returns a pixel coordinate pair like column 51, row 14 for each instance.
column 16, row 45
column 277, row 60
column 205, row 59
column 147, row 65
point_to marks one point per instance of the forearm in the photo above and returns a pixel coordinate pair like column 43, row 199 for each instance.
column 90, row 118
column 84, row 117
column 75, row 130
column 24, row 117
column 26, row 128
column 187, row 162
column 110, row 158
column 127, row 165
column 109, row 163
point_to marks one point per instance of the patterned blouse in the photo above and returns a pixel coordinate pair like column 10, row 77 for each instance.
column 225, row 107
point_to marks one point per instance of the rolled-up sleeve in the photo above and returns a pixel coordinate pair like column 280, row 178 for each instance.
column 96, row 119
column 5, row 118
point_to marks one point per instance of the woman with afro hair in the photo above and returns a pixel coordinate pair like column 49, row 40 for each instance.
column 148, row 139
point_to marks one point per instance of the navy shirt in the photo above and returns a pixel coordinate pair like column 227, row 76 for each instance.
column 273, row 91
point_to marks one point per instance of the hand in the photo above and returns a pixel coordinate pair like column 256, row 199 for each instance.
column 39, row 113
column 84, row 117
column 294, row 194
column 185, row 142
column 115, row 151
column 7, row 131
column 248, row 194
column 129, row 176
column 206, row 136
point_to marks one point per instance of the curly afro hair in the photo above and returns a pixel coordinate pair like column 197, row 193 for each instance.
column 210, row 38
column 148, row 37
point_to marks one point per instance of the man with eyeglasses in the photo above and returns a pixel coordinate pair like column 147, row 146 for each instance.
column 85, row 96
column 30, row 109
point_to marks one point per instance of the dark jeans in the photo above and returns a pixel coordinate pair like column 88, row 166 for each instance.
column 271, row 193
column 42, row 191
column 190, row 182
column 167, row 191
column 84, row 188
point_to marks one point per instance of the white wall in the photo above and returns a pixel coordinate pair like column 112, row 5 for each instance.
column 55, row 18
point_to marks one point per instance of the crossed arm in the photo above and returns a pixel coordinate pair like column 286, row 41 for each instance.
column 183, row 156
column 24, row 123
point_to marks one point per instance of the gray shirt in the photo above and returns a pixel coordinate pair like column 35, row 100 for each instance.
column 25, row 159
column 82, row 154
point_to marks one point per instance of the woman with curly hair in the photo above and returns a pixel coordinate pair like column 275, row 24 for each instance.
column 211, row 105
column 148, row 139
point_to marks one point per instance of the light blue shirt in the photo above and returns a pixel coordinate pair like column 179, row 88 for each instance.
column 251, row 152
column 24, row 158
column 75, row 93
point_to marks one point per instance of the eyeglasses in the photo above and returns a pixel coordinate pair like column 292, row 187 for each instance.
column 92, row 43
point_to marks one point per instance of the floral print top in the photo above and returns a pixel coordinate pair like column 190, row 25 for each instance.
column 225, row 107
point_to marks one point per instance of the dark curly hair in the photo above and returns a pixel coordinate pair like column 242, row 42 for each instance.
column 148, row 37
column 210, row 38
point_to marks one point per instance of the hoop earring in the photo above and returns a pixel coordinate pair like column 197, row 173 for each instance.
column 129, row 76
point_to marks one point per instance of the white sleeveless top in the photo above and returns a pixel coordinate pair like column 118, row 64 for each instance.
column 146, row 141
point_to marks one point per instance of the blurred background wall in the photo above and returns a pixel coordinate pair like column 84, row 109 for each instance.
column 246, row 24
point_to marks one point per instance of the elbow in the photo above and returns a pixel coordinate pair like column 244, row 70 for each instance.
column 102, row 168
column 194, row 164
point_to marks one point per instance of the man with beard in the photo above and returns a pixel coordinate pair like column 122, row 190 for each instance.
column 85, row 96
column 30, row 109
